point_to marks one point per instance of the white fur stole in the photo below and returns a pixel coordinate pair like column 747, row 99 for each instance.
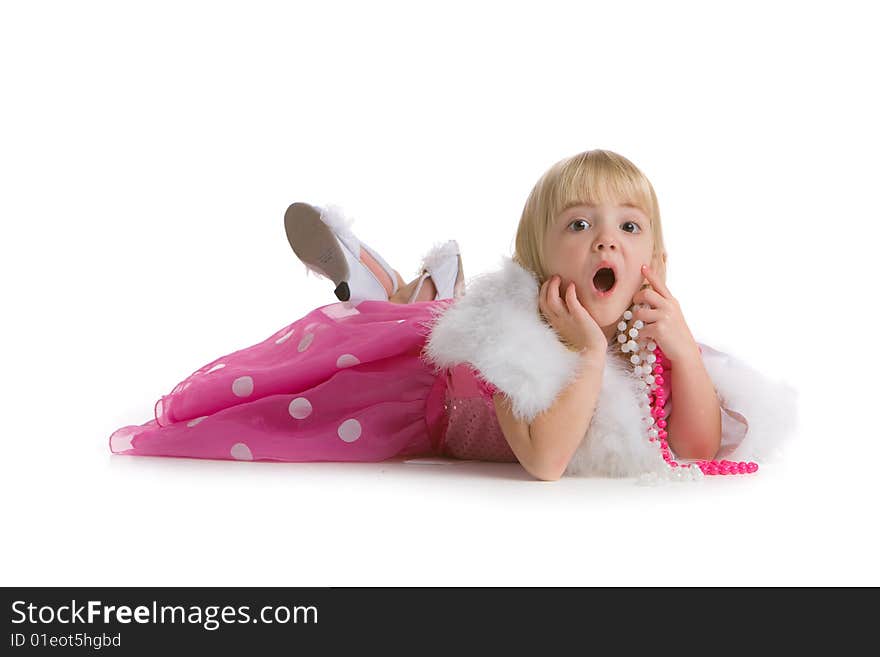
column 496, row 328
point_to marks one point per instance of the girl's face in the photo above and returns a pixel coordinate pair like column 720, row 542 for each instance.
column 587, row 238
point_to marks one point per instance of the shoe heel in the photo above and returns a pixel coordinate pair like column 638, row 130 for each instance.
column 342, row 291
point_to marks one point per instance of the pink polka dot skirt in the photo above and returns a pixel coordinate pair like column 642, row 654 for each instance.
column 342, row 383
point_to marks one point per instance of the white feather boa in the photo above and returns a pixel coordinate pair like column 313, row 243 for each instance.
column 496, row 328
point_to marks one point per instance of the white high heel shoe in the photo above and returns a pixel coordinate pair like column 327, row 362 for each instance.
column 323, row 240
column 443, row 264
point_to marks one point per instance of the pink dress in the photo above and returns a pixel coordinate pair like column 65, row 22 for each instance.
column 342, row 383
column 470, row 429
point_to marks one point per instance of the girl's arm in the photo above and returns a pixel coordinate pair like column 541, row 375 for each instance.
column 545, row 446
column 694, row 426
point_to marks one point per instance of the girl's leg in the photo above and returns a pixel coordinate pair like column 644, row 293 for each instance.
column 428, row 289
column 427, row 293
column 400, row 280
column 404, row 290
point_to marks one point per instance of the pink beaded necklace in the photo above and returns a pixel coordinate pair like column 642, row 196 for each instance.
column 649, row 364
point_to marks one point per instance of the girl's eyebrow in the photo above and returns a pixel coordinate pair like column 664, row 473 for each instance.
column 593, row 205
column 571, row 206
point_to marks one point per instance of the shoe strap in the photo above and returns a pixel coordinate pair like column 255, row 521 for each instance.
column 418, row 289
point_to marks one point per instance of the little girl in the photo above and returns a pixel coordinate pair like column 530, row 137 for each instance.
column 554, row 360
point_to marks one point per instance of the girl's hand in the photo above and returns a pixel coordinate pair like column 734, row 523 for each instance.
column 570, row 319
column 664, row 322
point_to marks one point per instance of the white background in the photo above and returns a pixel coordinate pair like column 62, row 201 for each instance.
column 149, row 150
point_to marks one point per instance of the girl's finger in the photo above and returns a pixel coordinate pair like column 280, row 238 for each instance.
column 555, row 299
column 571, row 300
column 545, row 295
column 655, row 281
column 568, row 303
column 647, row 315
column 545, row 298
column 650, row 297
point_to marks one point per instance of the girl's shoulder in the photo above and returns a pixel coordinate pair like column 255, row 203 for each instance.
column 496, row 327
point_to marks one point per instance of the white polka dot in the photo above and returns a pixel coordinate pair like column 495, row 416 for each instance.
column 193, row 423
column 241, row 452
column 300, row 408
column 347, row 360
column 350, row 430
column 339, row 311
column 284, row 337
column 305, row 342
column 121, row 440
column 243, row 386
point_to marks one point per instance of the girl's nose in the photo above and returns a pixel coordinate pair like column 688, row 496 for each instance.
column 604, row 243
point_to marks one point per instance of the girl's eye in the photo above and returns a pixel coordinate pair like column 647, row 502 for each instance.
column 635, row 230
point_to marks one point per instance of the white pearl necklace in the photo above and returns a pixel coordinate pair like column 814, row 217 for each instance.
column 643, row 359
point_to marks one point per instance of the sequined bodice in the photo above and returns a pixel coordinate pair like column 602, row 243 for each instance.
column 471, row 428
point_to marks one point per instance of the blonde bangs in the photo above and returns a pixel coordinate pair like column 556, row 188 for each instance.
column 600, row 177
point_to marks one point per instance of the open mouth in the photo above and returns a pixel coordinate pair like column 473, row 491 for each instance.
column 604, row 280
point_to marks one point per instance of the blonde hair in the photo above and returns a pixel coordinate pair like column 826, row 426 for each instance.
column 596, row 176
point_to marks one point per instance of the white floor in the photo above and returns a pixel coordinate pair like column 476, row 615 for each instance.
column 76, row 515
